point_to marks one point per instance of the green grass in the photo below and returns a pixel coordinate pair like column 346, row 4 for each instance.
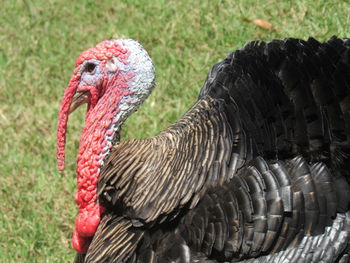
column 39, row 42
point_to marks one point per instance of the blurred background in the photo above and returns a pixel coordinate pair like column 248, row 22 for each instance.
column 39, row 42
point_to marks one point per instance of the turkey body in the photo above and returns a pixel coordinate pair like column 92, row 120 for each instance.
column 256, row 171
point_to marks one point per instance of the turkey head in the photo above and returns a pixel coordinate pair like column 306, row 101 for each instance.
column 113, row 78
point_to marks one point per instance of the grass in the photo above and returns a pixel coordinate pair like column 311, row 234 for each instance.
column 39, row 42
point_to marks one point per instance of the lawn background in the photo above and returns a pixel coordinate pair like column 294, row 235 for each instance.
column 39, row 42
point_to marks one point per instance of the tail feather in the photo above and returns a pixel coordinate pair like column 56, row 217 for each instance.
column 293, row 97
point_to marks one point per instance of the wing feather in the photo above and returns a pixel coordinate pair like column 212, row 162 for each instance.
column 154, row 177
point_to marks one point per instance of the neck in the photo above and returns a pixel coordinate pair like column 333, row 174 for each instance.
column 102, row 122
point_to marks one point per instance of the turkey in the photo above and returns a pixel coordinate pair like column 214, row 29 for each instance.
column 257, row 170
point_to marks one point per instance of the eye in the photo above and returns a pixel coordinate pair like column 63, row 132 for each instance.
column 90, row 67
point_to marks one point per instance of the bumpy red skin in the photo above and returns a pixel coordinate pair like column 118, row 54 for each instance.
column 104, row 99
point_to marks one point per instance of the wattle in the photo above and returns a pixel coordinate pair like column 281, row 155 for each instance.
column 94, row 146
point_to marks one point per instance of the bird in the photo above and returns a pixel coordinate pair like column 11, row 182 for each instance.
column 257, row 170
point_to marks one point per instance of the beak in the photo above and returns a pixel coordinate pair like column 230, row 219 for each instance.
column 79, row 98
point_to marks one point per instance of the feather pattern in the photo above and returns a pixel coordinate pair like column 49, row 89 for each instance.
column 256, row 171
column 153, row 177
